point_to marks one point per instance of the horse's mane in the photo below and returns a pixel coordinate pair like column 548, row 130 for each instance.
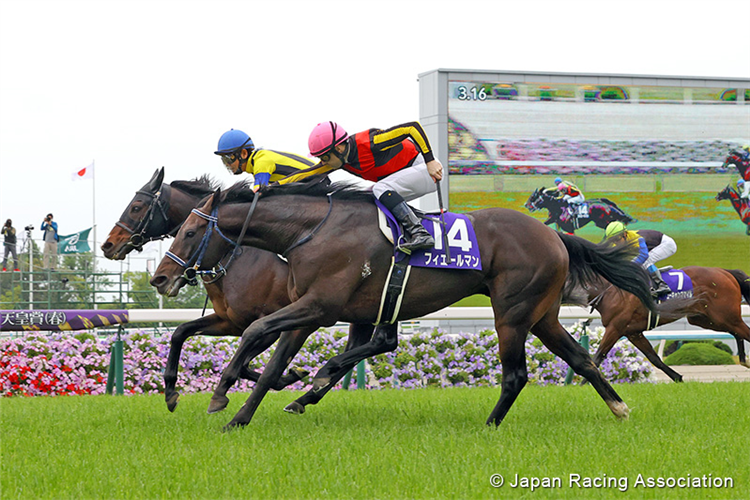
column 242, row 192
column 202, row 186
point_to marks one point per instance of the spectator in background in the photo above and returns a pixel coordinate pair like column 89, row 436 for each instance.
column 9, row 233
column 49, row 227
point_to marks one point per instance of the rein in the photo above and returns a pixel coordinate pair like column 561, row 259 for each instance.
column 307, row 238
column 220, row 270
column 192, row 265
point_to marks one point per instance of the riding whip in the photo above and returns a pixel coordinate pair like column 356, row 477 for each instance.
column 442, row 223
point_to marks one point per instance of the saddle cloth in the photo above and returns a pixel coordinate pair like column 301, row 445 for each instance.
column 464, row 249
column 679, row 282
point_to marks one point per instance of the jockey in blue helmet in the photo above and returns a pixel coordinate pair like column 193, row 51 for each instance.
column 238, row 154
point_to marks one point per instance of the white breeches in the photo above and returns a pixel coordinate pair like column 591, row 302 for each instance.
column 665, row 249
column 574, row 199
column 410, row 182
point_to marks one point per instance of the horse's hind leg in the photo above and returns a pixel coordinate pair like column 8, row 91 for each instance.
column 558, row 340
column 359, row 334
column 515, row 375
column 643, row 345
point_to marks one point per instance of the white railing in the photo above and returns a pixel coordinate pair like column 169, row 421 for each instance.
column 449, row 313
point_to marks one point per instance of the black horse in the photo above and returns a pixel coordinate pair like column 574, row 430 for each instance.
column 599, row 211
column 338, row 266
column 741, row 206
column 741, row 162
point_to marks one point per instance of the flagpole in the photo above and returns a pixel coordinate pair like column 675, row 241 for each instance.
column 93, row 214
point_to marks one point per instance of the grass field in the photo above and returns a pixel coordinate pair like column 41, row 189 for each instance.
column 379, row 444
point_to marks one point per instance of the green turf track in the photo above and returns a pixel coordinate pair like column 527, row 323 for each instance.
column 429, row 443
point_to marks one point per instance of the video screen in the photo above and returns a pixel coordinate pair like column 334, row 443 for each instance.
column 657, row 154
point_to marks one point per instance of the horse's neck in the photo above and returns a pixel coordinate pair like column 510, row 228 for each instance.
column 554, row 206
column 180, row 205
column 278, row 222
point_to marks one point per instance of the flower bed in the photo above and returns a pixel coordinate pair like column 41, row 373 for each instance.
column 65, row 363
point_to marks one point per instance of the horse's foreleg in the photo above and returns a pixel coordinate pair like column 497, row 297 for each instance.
column 643, row 345
column 335, row 369
column 211, row 325
column 559, row 341
column 611, row 336
column 261, row 346
column 303, row 312
column 288, row 346
column 515, row 374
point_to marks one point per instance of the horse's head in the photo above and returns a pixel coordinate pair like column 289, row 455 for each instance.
column 739, row 159
column 144, row 218
column 725, row 194
column 195, row 250
column 533, row 203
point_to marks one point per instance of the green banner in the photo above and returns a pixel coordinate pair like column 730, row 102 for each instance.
column 74, row 243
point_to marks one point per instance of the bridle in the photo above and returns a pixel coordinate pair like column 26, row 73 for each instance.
column 156, row 220
column 192, row 265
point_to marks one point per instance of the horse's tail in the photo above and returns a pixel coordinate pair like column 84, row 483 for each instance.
column 613, row 263
column 743, row 280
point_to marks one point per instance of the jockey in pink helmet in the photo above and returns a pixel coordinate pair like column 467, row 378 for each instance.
column 399, row 160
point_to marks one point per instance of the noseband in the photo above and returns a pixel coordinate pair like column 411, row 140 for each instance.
column 138, row 236
column 192, row 265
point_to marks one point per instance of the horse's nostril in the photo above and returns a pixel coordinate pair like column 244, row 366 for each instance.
column 106, row 246
column 157, row 281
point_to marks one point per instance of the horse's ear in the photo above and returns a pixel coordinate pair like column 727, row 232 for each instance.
column 155, row 183
column 214, row 201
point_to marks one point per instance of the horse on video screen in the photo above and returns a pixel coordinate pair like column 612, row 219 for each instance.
column 716, row 305
column 255, row 287
column 339, row 265
column 599, row 211
column 742, row 207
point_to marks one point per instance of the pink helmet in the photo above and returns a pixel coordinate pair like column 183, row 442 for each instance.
column 324, row 137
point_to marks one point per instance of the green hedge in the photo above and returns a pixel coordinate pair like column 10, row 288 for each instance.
column 699, row 354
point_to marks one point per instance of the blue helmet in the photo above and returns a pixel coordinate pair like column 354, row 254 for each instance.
column 557, row 180
column 740, row 182
column 232, row 141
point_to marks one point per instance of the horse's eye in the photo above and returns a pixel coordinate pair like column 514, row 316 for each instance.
column 136, row 209
column 189, row 234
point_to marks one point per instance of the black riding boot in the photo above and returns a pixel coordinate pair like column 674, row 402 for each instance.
column 660, row 287
column 417, row 237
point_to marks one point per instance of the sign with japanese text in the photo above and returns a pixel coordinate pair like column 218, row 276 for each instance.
column 60, row 319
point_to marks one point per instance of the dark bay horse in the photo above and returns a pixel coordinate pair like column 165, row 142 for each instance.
column 742, row 207
column 255, row 287
column 741, row 162
column 600, row 211
column 338, row 265
column 717, row 306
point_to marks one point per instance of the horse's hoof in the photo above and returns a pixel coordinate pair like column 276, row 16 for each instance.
column 620, row 410
column 217, row 404
column 172, row 401
column 299, row 373
column 232, row 426
column 320, row 383
column 295, row 407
